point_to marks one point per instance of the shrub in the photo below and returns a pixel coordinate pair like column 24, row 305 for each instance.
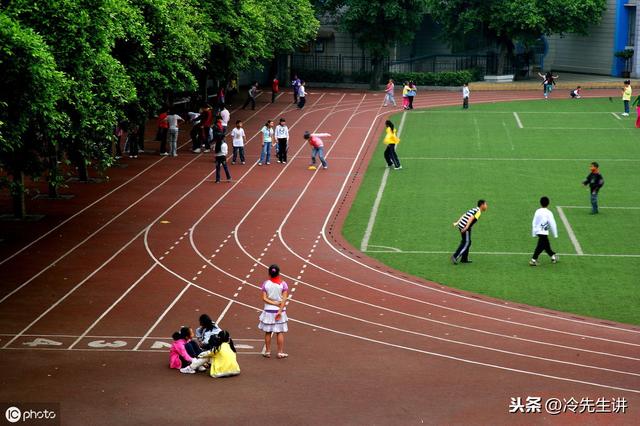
column 447, row 78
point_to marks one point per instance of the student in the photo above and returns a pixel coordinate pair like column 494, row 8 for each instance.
column 464, row 225
column 221, row 96
column 191, row 346
column 173, row 120
column 543, row 221
column 132, row 141
column 238, row 137
column 295, row 84
column 275, row 89
column 273, row 318
column 302, row 95
column 388, row 93
column 221, row 354
column 636, row 104
column 282, row 136
column 225, row 115
column 207, row 329
column 251, row 96
column 626, row 96
column 405, row 95
column 391, row 139
column 317, row 148
column 548, row 81
column 196, row 131
column 595, row 182
column 575, row 93
column 178, row 356
column 465, row 96
column 267, row 140
column 163, row 129
column 413, row 91
column 221, row 150
column 206, row 117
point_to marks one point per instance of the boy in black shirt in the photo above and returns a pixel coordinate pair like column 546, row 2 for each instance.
column 595, row 182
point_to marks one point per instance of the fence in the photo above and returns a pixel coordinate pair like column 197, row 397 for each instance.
column 355, row 68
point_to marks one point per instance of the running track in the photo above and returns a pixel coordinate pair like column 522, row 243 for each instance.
column 132, row 260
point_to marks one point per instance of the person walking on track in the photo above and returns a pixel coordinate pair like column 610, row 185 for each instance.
column 273, row 318
column 295, row 84
column 543, row 222
column 251, row 96
column 464, row 225
column 302, row 95
column 388, row 94
column 275, row 89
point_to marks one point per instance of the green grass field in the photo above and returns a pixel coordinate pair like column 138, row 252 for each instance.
column 451, row 158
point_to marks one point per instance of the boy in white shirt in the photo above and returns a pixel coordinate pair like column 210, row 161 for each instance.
column 282, row 136
column 237, row 134
column 465, row 96
column 224, row 114
column 543, row 221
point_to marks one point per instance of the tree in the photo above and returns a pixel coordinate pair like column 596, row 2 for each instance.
column 504, row 22
column 30, row 89
column 81, row 35
column 378, row 25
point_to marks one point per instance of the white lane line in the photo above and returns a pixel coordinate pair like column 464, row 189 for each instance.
column 616, row 116
column 224, row 312
column 84, row 209
column 106, row 262
column 515, row 114
column 161, row 317
column 376, row 204
column 572, row 235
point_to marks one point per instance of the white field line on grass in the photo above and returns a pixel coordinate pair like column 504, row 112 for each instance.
column 376, row 203
column 509, row 138
column 616, row 116
column 493, row 253
column 515, row 114
column 517, row 159
column 570, row 232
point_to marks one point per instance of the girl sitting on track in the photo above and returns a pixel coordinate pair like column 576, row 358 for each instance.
column 191, row 346
column 178, row 356
column 207, row 329
column 221, row 355
column 273, row 318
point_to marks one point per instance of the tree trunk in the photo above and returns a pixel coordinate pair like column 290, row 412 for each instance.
column 53, row 171
column 376, row 72
column 83, row 171
column 17, row 193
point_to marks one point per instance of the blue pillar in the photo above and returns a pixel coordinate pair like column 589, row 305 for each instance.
column 621, row 34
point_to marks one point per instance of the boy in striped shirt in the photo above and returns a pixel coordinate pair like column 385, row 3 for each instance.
column 464, row 224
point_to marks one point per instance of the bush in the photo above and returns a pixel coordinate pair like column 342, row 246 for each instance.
column 448, row 78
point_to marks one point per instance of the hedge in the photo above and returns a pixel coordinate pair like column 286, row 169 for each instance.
column 448, row 78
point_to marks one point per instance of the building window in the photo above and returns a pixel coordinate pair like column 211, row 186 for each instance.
column 319, row 46
column 631, row 39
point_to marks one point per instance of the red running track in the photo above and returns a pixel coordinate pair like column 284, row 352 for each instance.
column 87, row 307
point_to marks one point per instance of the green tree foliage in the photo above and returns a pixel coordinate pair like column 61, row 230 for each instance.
column 507, row 21
column 378, row 25
column 30, row 88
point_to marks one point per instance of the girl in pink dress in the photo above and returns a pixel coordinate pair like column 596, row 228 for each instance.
column 273, row 318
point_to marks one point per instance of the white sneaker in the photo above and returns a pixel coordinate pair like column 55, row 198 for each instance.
column 533, row 262
column 207, row 150
column 325, row 167
column 175, row 155
column 398, row 168
column 267, row 163
column 187, row 370
column 202, row 368
column 554, row 258
column 196, row 151
column 625, row 114
column 164, row 154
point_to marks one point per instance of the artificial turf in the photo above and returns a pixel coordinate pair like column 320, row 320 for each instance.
column 451, row 158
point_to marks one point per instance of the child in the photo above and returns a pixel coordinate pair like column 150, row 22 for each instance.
column 317, row 148
column 275, row 89
column 548, row 81
column 191, row 346
column 267, row 139
column 543, row 220
column 163, row 128
column 221, row 355
column 575, row 93
column 391, row 139
column 464, row 225
column 178, row 356
column 207, row 329
column 296, row 85
column 282, row 136
column 221, row 150
column 302, row 95
column 273, row 318
column 413, row 91
column 405, row 97
column 626, row 96
column 237, row 134
column 173, row 120
column 251, row 96
column 388, row 93
column 132, row 141
column 465, row 96
column 595, row 181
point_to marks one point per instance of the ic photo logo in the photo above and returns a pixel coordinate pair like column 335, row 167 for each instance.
column 36, row 414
